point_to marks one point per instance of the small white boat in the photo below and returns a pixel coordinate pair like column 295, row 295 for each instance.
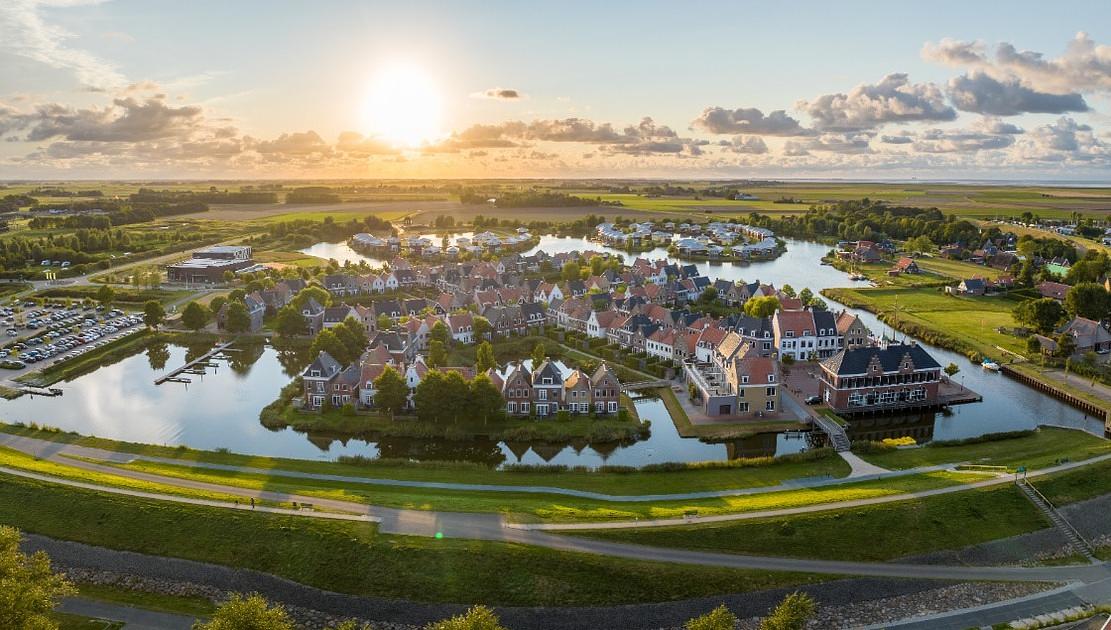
column 988, row 364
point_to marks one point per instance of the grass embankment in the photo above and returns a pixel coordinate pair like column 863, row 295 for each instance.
column 871, row 534
column 719, row 431
column 122, row 295
column 962, row 324
column 21, row 461
column 531, row 507
column 718, row 475
column 354, row 558
column 1044, row 447
column 1088, row 483
column 184, row 605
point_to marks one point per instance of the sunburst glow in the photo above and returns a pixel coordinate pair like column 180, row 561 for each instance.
column 403, row 106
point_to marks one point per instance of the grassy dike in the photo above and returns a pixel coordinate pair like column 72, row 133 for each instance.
column 1041, row 448
column 354, row 558
column 716, row 475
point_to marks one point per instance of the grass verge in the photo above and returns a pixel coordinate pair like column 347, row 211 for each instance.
column 355, row 558
column 1041, row 448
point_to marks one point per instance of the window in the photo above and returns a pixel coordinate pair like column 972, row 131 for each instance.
column 789, row 333
column 771, row 378
column 742, row 407
column 524, row 407
column 769, row 405
column 769, row 391
column 744, row 378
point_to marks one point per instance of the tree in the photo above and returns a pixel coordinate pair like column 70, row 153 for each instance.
column 1089, row 300
column 458, row 395
column 482, row 327
column 791, row 614
column 327, row 341
column 29, row 588
column 390, row 391
column 1033, row 346
column 807, row 296
column 538, row 355
column 1066, row 345
column 788, row 290
column 1042, row 315
column 477, row 618
column 383, row 322
column 818, row 304
column 486, row 399
column 719, row 618
column 195, row 316
column 709, row 295
column 761, row 306
column 440, row 333
column 153, row 314
column 237, row 319
column 314, row 292
column 105, row 295
column 216, row 303
column 430, row 397
column 571, row 271
column 484, row 357
column 353, row 336
column 229, row 277
column 252, row 612
column 290, row 322
column 921, row 244
column 437, row 354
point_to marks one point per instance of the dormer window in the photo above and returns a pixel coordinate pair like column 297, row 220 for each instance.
column 771, row 378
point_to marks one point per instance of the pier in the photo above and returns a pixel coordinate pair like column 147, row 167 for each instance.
column 41, row 391
column 203, row 360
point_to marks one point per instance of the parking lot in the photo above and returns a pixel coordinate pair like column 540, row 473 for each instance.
column 53, row 333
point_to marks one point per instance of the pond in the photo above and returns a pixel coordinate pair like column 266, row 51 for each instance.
column 220, row 410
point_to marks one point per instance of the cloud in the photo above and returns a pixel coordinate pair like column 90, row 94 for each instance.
column 848, row 143
column 981, row 93
column 749, row 120
column 960, row 141
column 499, row 94
column 353, row 143
column 24, row 32
column 867, row 106
column 126, row 120
column 903, row 137
column 992, row 125
column 1085, row 65
column 641, row 138
column 749, row 145
column 1064, row 135
column 292, row 144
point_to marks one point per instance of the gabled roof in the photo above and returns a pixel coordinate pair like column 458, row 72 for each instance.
column 325, row 364
column 856, row 360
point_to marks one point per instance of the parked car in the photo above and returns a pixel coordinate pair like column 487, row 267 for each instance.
column 813, row 400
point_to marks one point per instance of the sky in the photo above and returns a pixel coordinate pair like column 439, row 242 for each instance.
column 160, row 89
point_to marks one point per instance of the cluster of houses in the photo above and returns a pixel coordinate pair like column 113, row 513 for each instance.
column 733, row 363
column 712, row 240
column 424, row 246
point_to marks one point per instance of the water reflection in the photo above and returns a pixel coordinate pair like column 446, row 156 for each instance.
column 220, row 409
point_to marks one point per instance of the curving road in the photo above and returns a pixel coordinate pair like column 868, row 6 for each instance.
column 491, row 527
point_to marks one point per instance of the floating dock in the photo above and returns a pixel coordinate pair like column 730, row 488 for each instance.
column 172, row 376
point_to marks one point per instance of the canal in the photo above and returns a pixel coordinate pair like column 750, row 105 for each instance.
column 221, row 409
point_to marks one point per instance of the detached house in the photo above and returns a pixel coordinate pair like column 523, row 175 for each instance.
column 880, row 377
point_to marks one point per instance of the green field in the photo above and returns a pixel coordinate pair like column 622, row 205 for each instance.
column 1045, row 447
column 354, row 558
column 964, row 324
column 875, row 533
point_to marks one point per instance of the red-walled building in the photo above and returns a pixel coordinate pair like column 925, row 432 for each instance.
column 880, row 378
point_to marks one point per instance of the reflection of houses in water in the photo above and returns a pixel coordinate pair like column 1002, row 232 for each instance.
column 877, row 428
column 605, row 449
column 767, row 444
column 519, row 449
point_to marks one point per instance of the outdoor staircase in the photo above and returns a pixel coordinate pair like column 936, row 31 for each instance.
column 1078, row 543
column 837, row 436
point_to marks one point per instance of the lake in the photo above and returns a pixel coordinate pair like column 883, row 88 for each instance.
column 220, row 410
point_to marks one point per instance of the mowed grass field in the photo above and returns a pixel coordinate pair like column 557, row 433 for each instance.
column 930, row 313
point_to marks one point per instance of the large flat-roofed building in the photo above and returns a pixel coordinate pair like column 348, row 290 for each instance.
column 207, row 266
column 225, row 252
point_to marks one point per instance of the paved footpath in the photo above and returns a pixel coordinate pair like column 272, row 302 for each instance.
column 491, row 527
column 133, row 618
column 861, row 471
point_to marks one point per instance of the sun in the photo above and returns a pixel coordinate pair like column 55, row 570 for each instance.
column 403, row 106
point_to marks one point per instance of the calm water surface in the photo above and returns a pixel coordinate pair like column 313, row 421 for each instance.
column 220, row 409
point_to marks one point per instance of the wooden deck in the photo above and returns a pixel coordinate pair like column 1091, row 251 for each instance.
column 172, row 376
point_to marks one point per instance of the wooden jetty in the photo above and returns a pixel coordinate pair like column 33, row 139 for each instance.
column 172, row 376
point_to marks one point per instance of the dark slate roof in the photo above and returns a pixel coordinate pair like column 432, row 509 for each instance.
column 701, row 282
column 325, row 364
column 973, row 284
column 856, row 360
column 825, row 320
column 547, row 369
column 532, row 309
column 752, row 326
column 389, row 307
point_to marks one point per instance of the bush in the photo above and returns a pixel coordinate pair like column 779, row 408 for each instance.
column 987, row 437
column 348, row 409
column 871, row 447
